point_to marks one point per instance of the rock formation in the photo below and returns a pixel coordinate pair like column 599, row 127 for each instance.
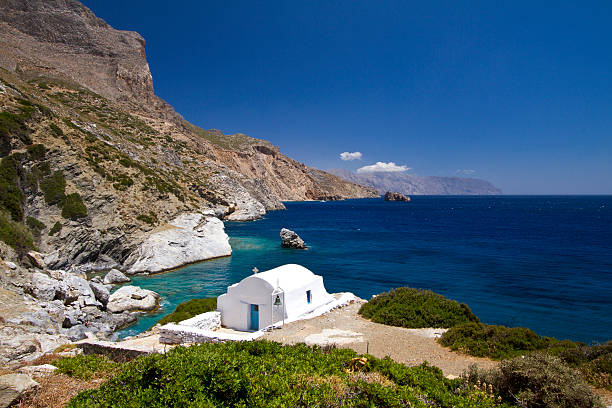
column 132, row 299
column 188, row 238
column 114, row 277
column 392, row 196
column 289, row 239
column 13, row 386
column 97, row 172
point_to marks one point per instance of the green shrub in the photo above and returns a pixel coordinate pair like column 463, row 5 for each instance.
column 150, row 219
column 537, row 380
column 11, row 196
column 85, row 367
column 414, row 308
column 34, row 224
column 189, row 309
column 56, row 130
column 37, row 152
column 15, row 234
column 122, row 181
column 266, row 374
column 54, row 187
column 497, row 342
column 73, row 207
column 57, row 227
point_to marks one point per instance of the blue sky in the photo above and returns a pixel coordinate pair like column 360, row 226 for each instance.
column 518, row 93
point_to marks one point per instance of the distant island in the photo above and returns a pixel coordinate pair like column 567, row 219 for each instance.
column 419, row 185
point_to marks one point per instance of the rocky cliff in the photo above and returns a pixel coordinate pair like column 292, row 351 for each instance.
column 97, row 172
column 82, row 93
column 419, row 185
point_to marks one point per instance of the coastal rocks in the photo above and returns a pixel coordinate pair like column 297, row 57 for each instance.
column 244, row 206
column 191, row 237
column 392, row 196
column 132, row 299
column 43, row 287
column 291, row 240
column 101, row 292
column 13, row 386
column 114, row 276
column 37, row 259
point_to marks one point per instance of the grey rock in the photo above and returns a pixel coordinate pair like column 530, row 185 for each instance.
column 77, row 333
column 13, row 386
column 10, row 265
column 115, row 276
column 291, row 240
column 44, row 287
column 100, row 291
column 132, row 299
column 75, row 288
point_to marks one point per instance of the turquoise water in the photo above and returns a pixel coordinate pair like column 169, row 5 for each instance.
column 539, row 262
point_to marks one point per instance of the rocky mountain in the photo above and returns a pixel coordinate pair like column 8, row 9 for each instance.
column 418, row 185
column 97, row 172
column 82, row 93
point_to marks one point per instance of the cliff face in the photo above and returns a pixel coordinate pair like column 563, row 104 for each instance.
column 418, row 185
column 94, row 155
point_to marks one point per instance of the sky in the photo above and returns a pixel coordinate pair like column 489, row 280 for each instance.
column 518, row 93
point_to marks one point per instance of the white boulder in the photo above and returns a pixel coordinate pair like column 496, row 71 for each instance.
column 191, row 237
column 115, row 276
column 132, row 299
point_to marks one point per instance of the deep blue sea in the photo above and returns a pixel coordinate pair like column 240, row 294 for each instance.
column 543, row 262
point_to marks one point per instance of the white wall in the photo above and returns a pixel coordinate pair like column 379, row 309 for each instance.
column 235, row 304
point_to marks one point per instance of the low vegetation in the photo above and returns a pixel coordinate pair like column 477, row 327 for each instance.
column 267, row 374
column 85, row 367
column 496, row 342
column 416, row 308
column 536, row 380
column 15, row 234
column 73, row 207
column 189, row 309
column 57, row 227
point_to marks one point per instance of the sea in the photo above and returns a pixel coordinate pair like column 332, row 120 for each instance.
column 542, row 262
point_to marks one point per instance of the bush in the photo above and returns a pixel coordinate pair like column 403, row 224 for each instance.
column 57, row 227
column 150, row 219
column 11, row 196
column 73, row 207
column 189, row 309
column 85, row 367
column 36, row 152
column 15, row 234
column 497, row 342
column 415, row 308
column 54, row 187
column 537, row 380
column 266, row 374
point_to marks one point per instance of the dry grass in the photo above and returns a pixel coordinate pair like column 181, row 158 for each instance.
column 57, row 389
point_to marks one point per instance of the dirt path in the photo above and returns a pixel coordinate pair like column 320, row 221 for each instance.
column 345, row 328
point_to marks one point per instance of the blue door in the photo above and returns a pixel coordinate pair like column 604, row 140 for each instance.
column 254, row 317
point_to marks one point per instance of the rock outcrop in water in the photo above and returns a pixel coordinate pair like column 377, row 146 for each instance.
column 290, row 239
column 391, row 196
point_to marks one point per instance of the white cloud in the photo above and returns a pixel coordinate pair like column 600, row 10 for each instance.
column 350, row 156
column 465, row 172
column 383, row 167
